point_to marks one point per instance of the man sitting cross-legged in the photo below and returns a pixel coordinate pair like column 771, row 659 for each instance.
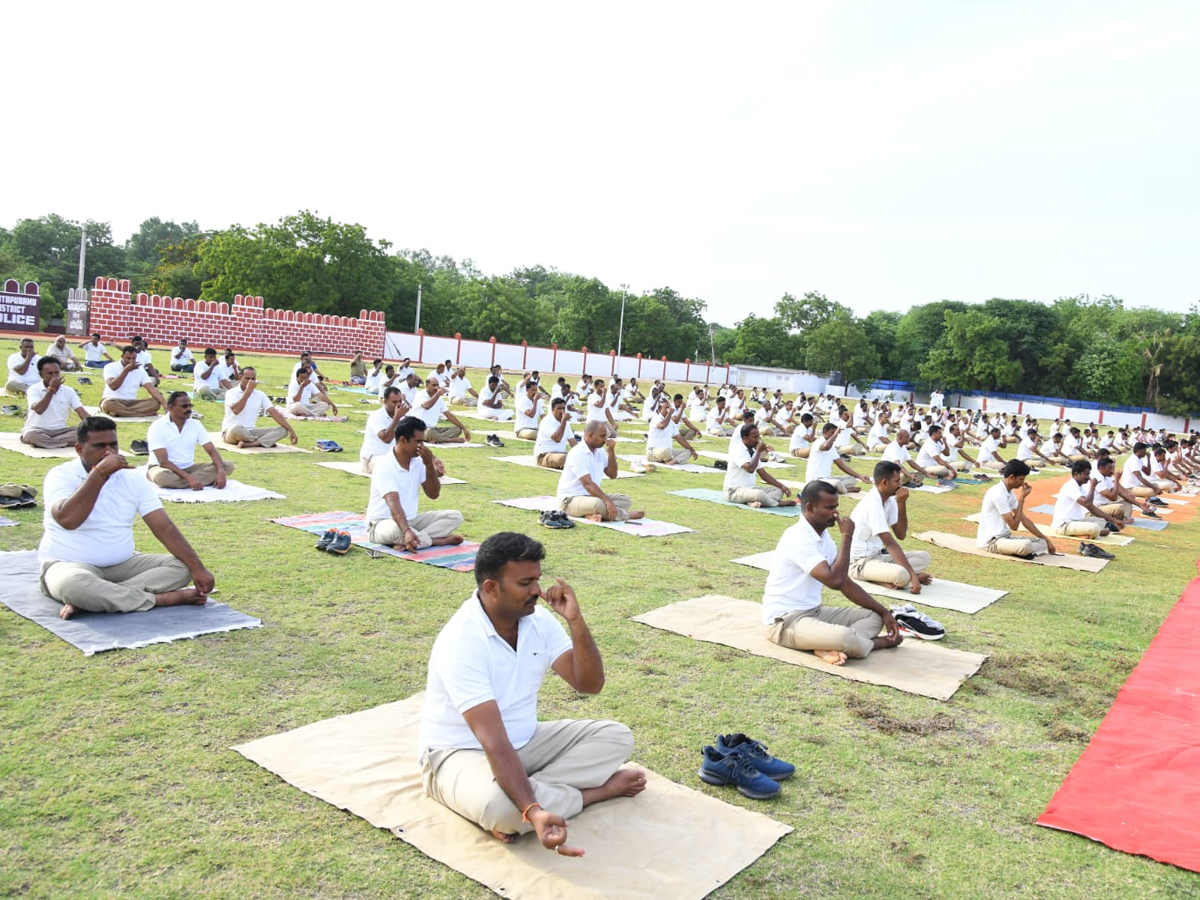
column 587, row 465
column 173, row 440
column 1111, row 497
column 86, row 554
column 22, row 368
column 554, row 436
column 931, row 457
column 989, row 450
column 805, row 559
column 484, row 754
column 244, row 403
column 1135, row 474
column 529, row 406
column 379, row 436
column 309, row 400
column 1003, row 513
column 663, row 430
column 430, row 406
column 121, row 382
column 208, row 383
column 745, row 462
column 50, row 405
column 823, row 456
column 1076, row 496
column 880, row 522
column 490, row 404
column 397, row 479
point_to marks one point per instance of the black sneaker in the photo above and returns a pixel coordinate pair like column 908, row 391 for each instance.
column 774, row 768
column 737, row 769
column 1154, row 501
column 1151, row 514
column 326, row 539
column 555, row 519
column 139, row 448
column 83, row 379
column 340, row 544
column 493, row 441
column 1093, row 552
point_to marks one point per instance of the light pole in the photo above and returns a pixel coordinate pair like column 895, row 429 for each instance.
column 712, row 353
column 417, row 326
column 621, row 327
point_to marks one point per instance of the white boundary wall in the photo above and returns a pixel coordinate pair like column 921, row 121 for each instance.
column 429, row 350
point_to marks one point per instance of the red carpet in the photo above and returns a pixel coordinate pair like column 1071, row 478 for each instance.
column 1137, row 786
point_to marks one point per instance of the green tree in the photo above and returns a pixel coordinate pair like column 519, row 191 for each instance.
column 144, row 248
column 764, row 342
column 972, row 354
column 919, row 331
column 589, row 316
column 881, row 326
column 841, row 344
column 809, row 312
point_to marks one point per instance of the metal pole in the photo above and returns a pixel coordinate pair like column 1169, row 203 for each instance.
column 621, row 327
column 82, row 254
column 417, row 326
column 712, row 353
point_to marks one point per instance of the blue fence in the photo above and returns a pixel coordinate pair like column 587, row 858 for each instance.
column 907, row 387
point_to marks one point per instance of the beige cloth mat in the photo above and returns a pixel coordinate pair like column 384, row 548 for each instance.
column 965, row 598
column 915, row 666
column 669, row 843
column 234, row 448
column 96, row 411
column 355, row 468
column 11, row 440
column 967, row 545
column 530, row 462
column 1112, row 540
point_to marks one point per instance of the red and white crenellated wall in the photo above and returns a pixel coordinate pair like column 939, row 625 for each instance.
column 247, row 325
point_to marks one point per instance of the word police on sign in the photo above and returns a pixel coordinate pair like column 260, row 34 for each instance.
column 20, row 308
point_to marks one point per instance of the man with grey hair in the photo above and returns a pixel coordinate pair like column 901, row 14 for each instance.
column 588, row 463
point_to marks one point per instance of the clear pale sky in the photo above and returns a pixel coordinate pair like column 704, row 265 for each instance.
column 883, row 153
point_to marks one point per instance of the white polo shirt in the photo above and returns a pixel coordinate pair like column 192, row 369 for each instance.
column 180, row 444
column 656, row 437
column 182, row 357
column 106, row 536
column 1025, row 449
column 257, row 405
column 486, row 396
column 872, row 517
column 1066, row 507
column 801, row 438
column 429, row 416
column 789, row 585
column 31, row 375
column 596, row 405
column 930, row 449
column 144, row 358
column 459, row 387
column 57, row 412
column 545, row 442
column 94, row 352
column 1132, row 464
column 735, row 475
column 129, row 387
column 988, row 448
column 878, row 434
column 581, row 460
column 377, row 421
column 897, row 453
column 710, row 421
column 389, row 477
column 998, row 501
column 472, row 664
column 524, row 421
column 371, row 385
column 820, row 462
column 212, row 382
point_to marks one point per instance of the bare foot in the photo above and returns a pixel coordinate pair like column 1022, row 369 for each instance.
column 622, row 783
column 883, row 641
column 924, row 578
column 755, row 504
column 503, row 837
column 833, row 657
column 595, row 517
column 67, row 611
column 450, row 540
column 179, row 598
column 637, row 514
column 787, row 502
column 458, row 440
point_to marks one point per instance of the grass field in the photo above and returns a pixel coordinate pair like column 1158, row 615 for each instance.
column 117, row 777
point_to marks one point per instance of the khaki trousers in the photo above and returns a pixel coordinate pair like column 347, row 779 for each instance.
column 767, row 496
column 494, row 415
column 688, row 433
column 668, row 455
column 314, row 409
column 561, row 759
column 880, row 568
column 126, row 587
column 48, row 438
column 211, row 393
column 1013, row 546
column 1088, row 526
column 802, row 452
column 1120, row 508
column 853, row 449
column 205, row 473
column 129, row 408
column 528, row 434
column 938, row 471
column 587, row 505
column 442, row 434
column 429, row 526
column 850, row 629
column 16, row 387
column 843, row 483
column 1142, row 491
column 264, row 437
column 991, row 463
column 552, row 460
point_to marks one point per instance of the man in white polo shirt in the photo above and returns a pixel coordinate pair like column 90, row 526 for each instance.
column 598, row 409
column 379, row 435
column 309, row 400
column 59, row 350
column 930, row 457
column 22, row 368
column 897, row 451
column 744, row 470
column 208, row 383
column 587, row 465
column 880, row 523
column 484, row 754
column 87, row 557
column 173, row 440
column 50, row 404
column 461, row 392
column 182, row 359
column 529, row 406
column 554, row 436
column 1003, row 512
column 1135, row 473
column 803, row 437
column 95, row 354
column 121, row 382
column 429, row 406
column 397, row 480
column 823, row 456
column 1077, row 496
column 989, row 450
column 717, row 422
column 244, row 403
column 805, row 560
column 491, row 402
column 662, row 432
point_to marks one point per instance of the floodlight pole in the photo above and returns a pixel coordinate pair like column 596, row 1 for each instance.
column 621, row 327
column 417, row 326
column 82, row 254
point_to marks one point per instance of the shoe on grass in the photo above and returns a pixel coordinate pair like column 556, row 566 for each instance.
column 493, row 441
column 139, row 448
column 340, row 544
column 773, row 767
column 917, row 624
column 735, row 768
column 1093, row 552
column 326, row 539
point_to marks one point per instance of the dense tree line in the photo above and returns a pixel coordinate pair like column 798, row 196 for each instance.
column 1077, row 347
